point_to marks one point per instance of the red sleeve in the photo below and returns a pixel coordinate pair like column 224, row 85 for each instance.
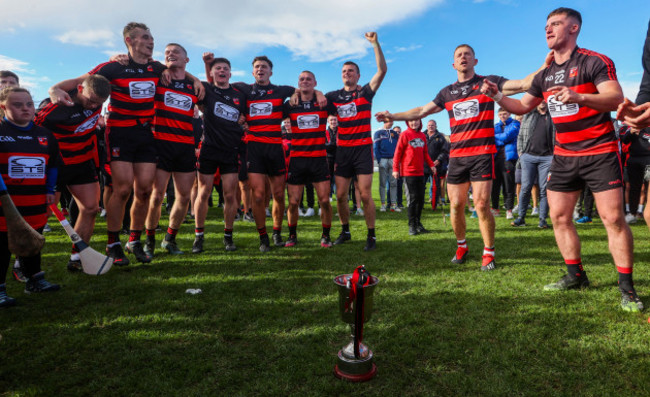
column 399, row 153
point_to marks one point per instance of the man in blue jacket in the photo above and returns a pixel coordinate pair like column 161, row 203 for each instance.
column 384, row 144
column 505, row 161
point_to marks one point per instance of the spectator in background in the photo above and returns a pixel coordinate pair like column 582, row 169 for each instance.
column 330, row 147
column 535, row 146
column 505, row 160
column 438, row 149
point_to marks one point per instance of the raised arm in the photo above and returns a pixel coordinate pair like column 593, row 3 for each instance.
column 59, row 91
column 376, row 80
column 417, row 113
column 512, row 87
column 516, row 106
column 207, row 58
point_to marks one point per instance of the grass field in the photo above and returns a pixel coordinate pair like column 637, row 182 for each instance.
column 267, row 324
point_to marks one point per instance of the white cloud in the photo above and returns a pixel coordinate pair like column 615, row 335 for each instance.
column 412, row 47
column 238, row 73
column 15, row 65
column 28, row 77
column 308, row 30
column 90, row 38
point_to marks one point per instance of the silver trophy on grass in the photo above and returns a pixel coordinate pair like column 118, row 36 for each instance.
column 355, row 361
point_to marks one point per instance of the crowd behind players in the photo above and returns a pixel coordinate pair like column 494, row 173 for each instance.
column 254, row 142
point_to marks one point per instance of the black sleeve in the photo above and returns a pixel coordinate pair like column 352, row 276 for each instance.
column 644, row 88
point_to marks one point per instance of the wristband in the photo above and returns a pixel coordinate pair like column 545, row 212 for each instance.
column 497, row 97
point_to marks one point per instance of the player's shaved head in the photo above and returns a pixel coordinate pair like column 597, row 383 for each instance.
column 179, row 46
column 99, row 85
column 465, row 46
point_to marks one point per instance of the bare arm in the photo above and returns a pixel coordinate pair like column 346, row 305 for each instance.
column 417, row 113
column 512, row 87
column 520, row 106
column 207, row 58
column 198, row 86
column 607, row 99
column 59, row 91
column 376, row 80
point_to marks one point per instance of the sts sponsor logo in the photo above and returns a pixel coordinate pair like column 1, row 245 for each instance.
column 259, row 109
column 348, row 110
column 88, row 124
column 308, row 121
column 226, row 112
column 142, row 89
column 466, row 109
column 178, row 101
column 559, row 109
column 21, row 167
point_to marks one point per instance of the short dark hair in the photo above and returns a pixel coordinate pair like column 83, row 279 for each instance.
column 131, row 26
column 465, row 45
column 569, row 12
column 310, row 72
column 4, row 93
column 263, row 58
column 353, row 64
column 179, row 46
column 98, row 84
column 9, row 73
column 220, row 60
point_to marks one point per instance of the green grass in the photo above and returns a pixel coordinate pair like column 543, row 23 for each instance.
column 268, row 324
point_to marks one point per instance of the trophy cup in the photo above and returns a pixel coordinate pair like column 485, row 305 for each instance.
column 355, row 361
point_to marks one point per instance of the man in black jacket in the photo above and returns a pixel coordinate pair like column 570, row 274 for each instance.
column 438, row 148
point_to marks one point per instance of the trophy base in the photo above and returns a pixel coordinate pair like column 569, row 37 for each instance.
column 354, row 370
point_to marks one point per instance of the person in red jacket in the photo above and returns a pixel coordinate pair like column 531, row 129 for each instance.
column 408, row 162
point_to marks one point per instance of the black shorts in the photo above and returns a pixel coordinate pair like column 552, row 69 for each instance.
column 212, row 159
column 77, row 174
column 305, row 170
column 175, row 156
column 265, row 158
column 600, row 173
column 353, row 160
column 243, row 172
column 131, row 144
column 470, row 169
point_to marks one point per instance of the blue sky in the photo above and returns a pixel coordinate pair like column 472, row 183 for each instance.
column 45, row 42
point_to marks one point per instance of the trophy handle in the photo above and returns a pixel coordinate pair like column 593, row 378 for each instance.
column 358, row 321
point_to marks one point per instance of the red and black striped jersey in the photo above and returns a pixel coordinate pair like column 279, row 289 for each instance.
column 580, row 130
column 353, row 109
column 133, row 88
column 471, row 116
column 26, row 154
column 174, row 106
column 74, row 129
column 308, row 125
column 221, row 111
column 264, row 111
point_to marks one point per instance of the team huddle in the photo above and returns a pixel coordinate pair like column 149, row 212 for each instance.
column 151, row 137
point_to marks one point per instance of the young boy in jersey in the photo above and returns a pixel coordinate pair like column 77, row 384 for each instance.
column 28, row 166
column 74, row 129
column 408, row 162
